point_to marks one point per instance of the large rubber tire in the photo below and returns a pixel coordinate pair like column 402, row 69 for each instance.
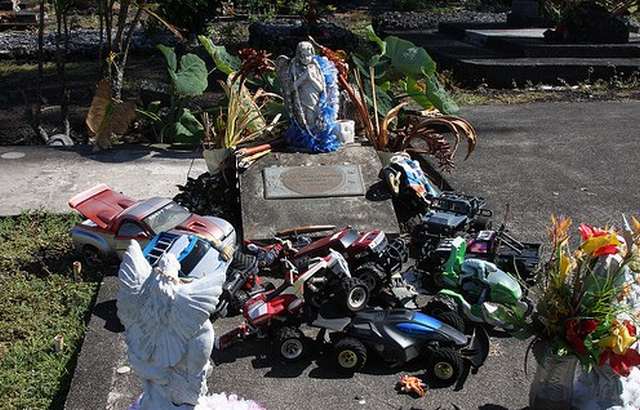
column 371, row 275
column 242, row 261
column 445, row 312
column 349, row 355
column 290, row 344
column 444, row 367
column 353, row 294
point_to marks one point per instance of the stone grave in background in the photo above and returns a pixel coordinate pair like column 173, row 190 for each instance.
column 289, row 190
column 503, row 53
column 17, row 15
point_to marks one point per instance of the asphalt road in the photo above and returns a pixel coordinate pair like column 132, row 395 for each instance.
column 575, row 159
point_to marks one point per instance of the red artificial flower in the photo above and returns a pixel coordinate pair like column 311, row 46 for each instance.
column 576, row 330
column 588, row 232
column 598, row 242
column 620, row 363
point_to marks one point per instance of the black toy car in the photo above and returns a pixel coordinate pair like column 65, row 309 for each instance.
column 451, row 214
column 402, row 335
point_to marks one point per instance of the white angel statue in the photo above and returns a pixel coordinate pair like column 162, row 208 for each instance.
column 168, row 332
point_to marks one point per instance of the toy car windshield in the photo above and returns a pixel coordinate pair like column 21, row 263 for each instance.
column 167, row 217
column 349, row 238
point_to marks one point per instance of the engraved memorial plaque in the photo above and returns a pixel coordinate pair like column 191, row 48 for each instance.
column 313, row 181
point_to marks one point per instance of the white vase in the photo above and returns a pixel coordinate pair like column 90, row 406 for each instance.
column 346, row 131
column 215, row 158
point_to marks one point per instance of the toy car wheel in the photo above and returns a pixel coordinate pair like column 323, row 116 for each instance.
column 237, row 303
column 290, row 343
column 444, row 366
column 350, row 355
column 482, row 223
column 354, row 294
column 91, row 256
column 442, row 311
column 268, row 286
column 452, row 319
column 370, row 275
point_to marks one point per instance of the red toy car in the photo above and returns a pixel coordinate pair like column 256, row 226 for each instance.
column 114, row 219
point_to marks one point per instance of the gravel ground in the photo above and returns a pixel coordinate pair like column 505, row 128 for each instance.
column 82, row 43
column 399, row 21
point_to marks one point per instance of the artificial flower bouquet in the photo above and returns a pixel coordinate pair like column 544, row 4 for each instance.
column 587, row 295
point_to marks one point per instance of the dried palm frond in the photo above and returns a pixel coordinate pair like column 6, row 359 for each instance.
column 108, row 116
column 433, row 132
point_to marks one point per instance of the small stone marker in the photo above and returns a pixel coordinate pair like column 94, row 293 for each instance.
column 313, row 181
column 288, row 190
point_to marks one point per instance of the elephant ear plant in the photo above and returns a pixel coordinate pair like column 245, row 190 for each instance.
column 188, row 79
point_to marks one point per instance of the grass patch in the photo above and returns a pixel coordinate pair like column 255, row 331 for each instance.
column 39, row 300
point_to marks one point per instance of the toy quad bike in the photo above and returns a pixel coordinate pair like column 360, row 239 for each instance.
column 478, row 290
column 277, row 313
column 371, row 256
column 402, row 335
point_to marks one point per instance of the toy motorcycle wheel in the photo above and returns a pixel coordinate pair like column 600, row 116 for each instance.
column 444, row 366
column 350, row 355
column 290, row 344
column 354, row 294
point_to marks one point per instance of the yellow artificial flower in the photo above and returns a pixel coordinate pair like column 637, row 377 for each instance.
column 619, row 340
column 564, row 264
column 591, row 245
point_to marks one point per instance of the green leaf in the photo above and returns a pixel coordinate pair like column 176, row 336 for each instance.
column 372, row 36
column 383, row 99
column 187, row 129
column 191, row 80
column 169, row 56
column 440, row 98
column 409, row 59
column 225, row 62
column 417, row 91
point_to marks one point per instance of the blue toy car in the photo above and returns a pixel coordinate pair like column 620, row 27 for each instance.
column 402, row 335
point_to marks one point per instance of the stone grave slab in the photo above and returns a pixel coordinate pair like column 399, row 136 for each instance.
column 288, row 190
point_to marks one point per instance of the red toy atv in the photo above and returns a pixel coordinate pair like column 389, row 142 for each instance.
column 370, row 255
column 278, row 313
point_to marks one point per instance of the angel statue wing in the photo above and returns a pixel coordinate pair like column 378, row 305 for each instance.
column 161, row 312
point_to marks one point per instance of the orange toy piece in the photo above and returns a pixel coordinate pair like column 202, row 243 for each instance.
column 412, row 385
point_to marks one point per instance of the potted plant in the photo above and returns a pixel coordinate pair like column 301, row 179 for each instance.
column 241, row 120
column 584, row 327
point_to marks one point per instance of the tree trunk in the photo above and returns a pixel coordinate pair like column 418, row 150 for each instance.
column 125, row 55
column 37, row 109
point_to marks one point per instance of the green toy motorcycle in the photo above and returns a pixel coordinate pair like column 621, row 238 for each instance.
column 479, row 291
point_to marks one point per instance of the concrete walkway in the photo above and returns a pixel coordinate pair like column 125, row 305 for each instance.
column 45, row 177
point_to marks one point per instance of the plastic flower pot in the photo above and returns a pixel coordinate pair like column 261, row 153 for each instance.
column 215, row 158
